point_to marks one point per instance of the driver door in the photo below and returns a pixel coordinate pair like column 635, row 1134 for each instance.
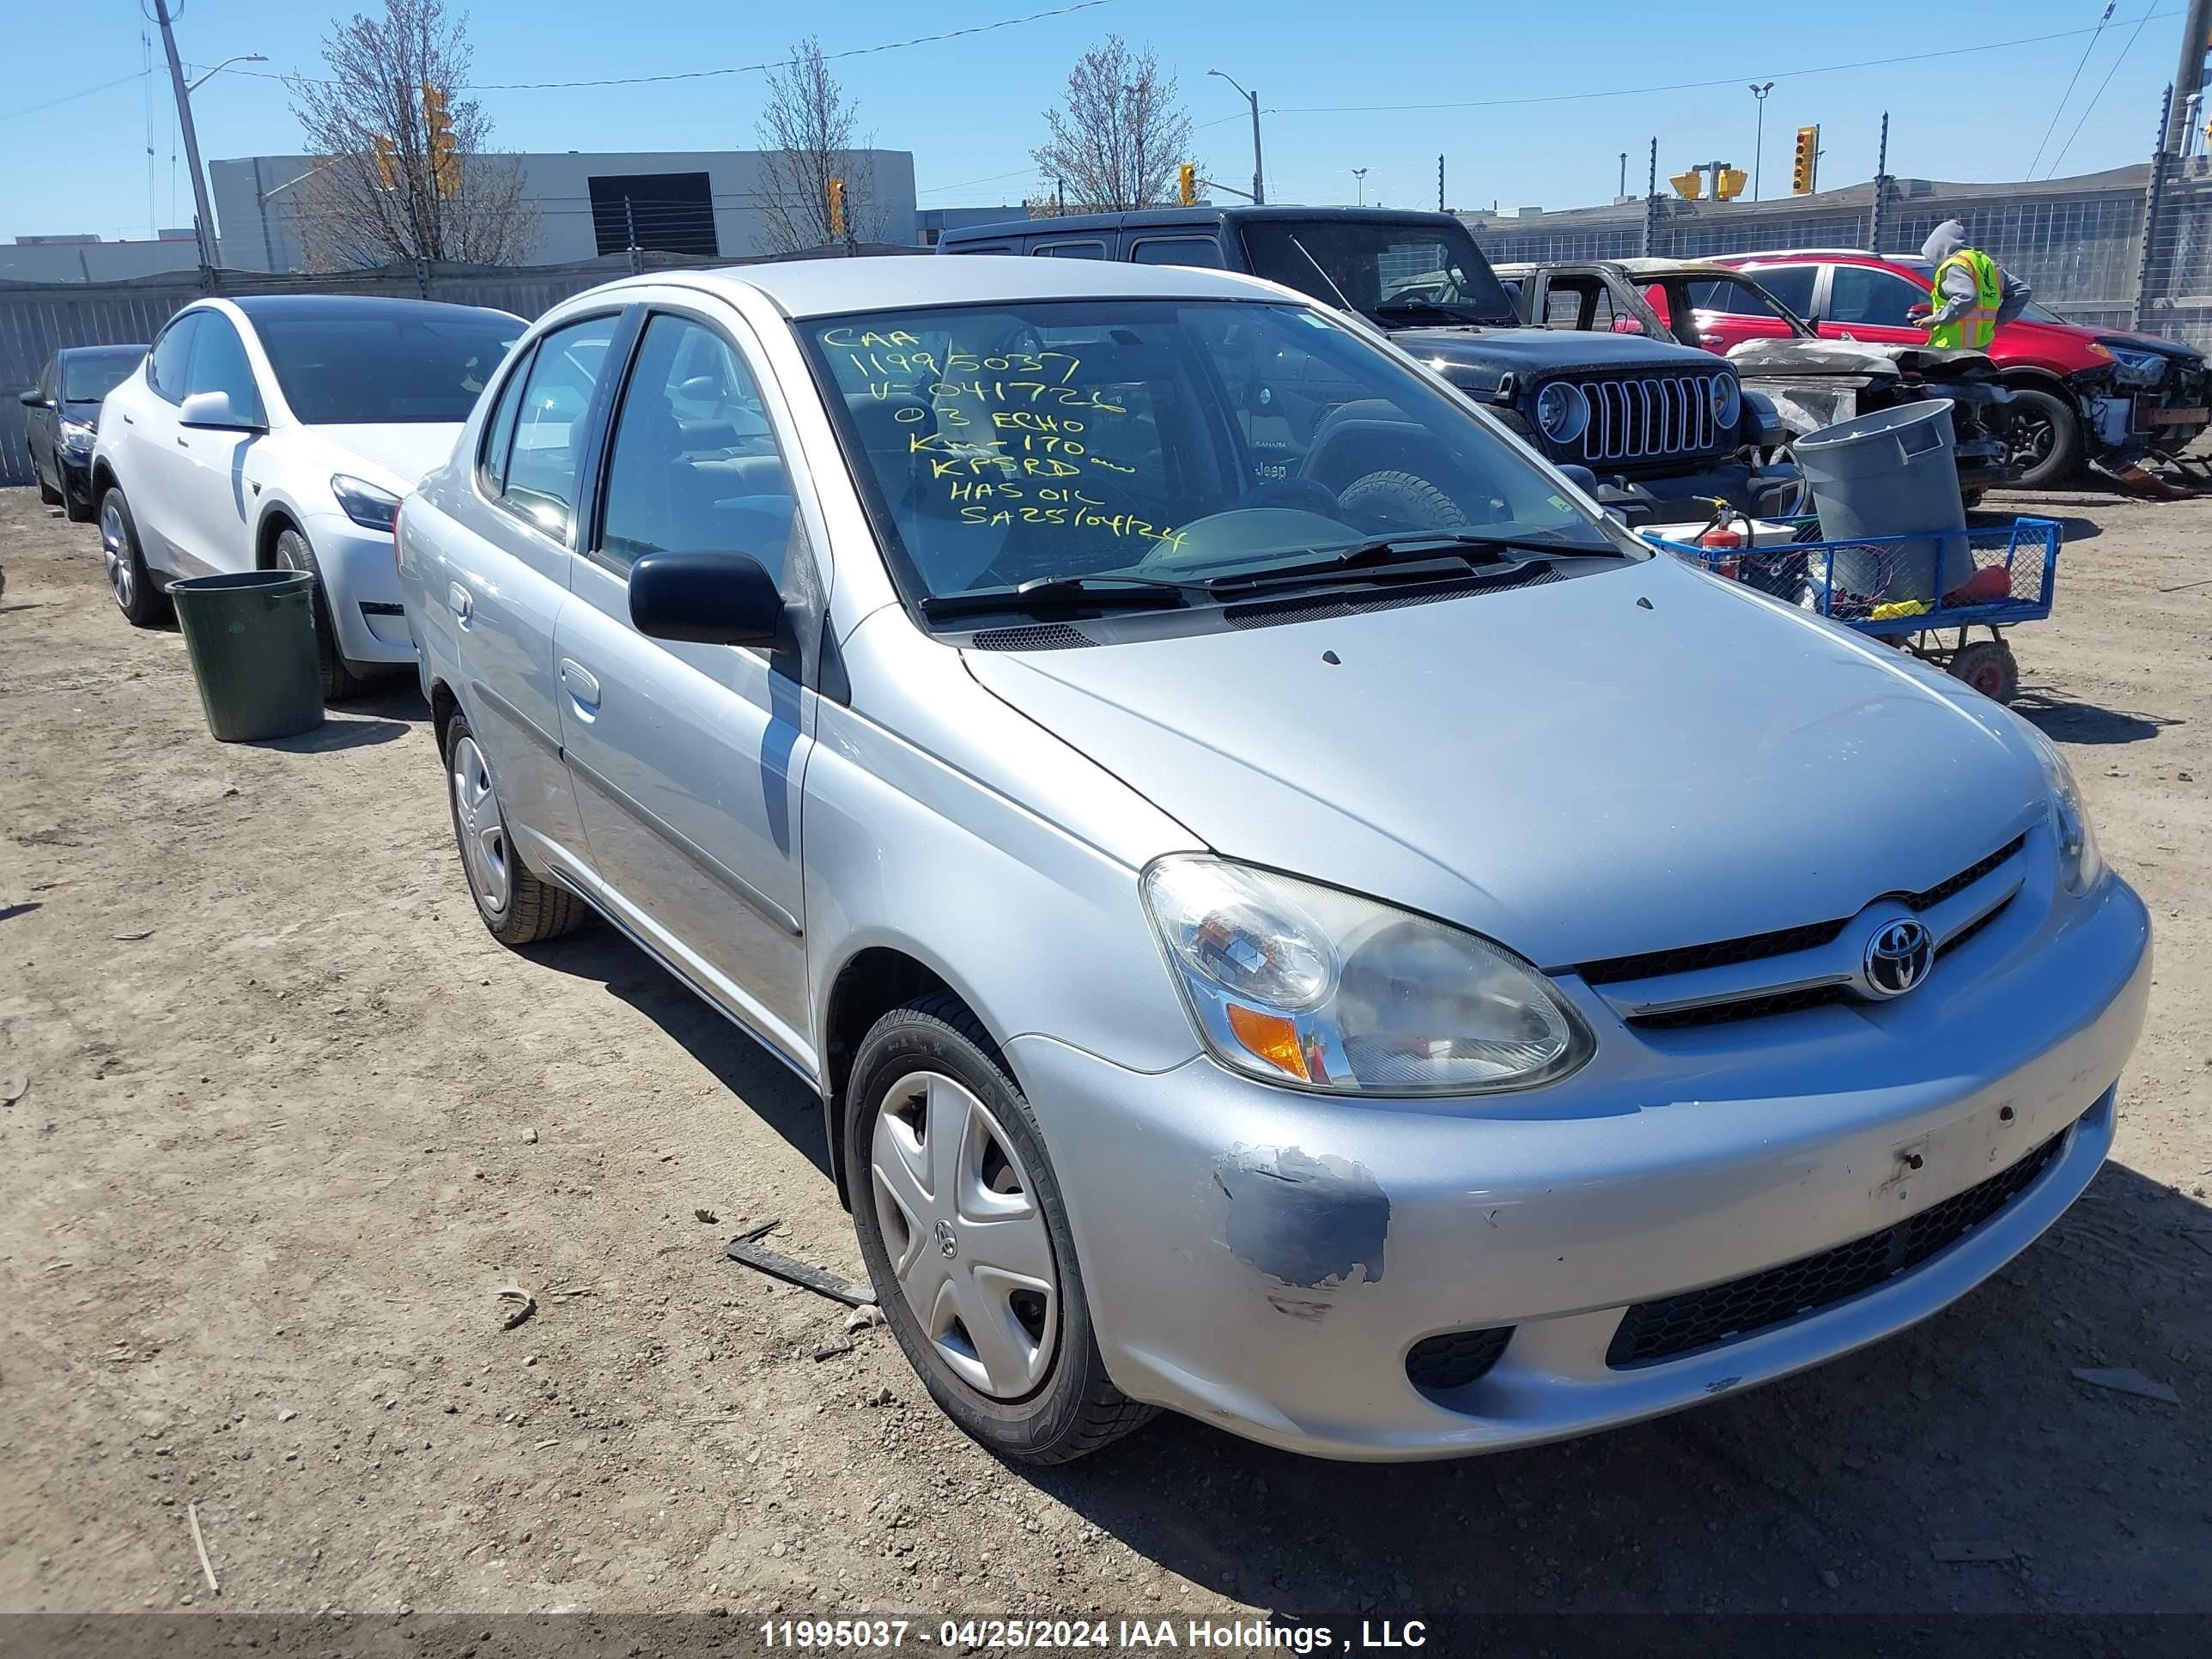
column 214, row 508
column 1869, row 304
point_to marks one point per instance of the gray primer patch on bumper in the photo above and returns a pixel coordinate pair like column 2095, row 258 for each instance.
column 1306, row 1221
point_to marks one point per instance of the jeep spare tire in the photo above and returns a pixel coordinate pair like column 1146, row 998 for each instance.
column 1386, row 502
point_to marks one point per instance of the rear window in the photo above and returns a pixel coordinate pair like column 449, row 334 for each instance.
column 385, row 370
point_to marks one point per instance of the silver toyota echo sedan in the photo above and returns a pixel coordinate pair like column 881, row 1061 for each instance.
column 1292, row 914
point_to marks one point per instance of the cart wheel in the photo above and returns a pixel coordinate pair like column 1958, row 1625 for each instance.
column 1988, row 665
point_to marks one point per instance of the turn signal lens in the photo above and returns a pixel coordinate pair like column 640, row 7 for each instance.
column 1272, row 1037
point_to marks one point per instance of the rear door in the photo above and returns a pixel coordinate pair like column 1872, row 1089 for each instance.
column 214, row 512
column 1871, row 304
column 687, row 759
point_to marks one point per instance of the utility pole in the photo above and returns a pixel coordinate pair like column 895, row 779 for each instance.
column 2189, row 77
column 1758, row 90
column 1623, row 190
column 204, row 216
column 1360, row 173
column 1259, row 185
column 1440, row 184
column 1880, row 188
column 1651, row 203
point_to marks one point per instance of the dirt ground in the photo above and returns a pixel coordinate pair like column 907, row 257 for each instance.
column 291, row 1119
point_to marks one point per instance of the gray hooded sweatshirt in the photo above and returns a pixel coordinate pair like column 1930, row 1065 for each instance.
column 1957, row 292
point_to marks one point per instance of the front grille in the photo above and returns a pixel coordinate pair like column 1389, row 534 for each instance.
column 1652, row 1332
column 1783, row 941
column 1648, row 418
column 1439, row 1364
column 1750, row 1007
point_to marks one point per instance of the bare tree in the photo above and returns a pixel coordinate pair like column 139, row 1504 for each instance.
column 377, row 196
column 1115, row 140
column 806, row 129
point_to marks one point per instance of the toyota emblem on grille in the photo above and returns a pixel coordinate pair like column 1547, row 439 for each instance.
column 1898, row 957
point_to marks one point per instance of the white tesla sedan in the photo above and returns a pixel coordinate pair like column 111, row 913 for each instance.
column 282, row 430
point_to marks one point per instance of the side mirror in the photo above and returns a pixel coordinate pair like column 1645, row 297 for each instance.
column 1625, row 324
column 1584, row 479
column 214, row 410
column 30, row 398
column 1919, row 313
column 708, row 599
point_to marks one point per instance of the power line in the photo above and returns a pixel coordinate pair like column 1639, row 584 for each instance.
column 71, row 97
column 1018, row 173
column 2101, row 85
column 2059, row 108
column 735, row 68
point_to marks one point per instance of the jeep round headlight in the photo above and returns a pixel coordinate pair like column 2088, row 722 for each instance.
column 1727, row 401
column 1562, row 411
column 1300, row 984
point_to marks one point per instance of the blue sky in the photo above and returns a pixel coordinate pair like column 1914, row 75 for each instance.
column 969, row 109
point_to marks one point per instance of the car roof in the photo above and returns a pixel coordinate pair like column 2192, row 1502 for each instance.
column 828, row 287
column 260, row 307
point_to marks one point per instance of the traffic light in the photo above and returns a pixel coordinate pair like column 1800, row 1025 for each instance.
column 1688, row 186
column 1728, row 183
column 444, row 156
column 837, row 207
column 387, row 162
column 1805, row 168
column 1187, row 184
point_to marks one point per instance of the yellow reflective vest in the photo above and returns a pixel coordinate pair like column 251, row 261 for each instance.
column 1975, row 328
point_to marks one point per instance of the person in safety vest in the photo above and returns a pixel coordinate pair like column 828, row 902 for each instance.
column 1973, row 293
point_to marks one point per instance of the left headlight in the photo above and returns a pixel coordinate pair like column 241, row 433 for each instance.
column 1296, row 983
column 1728, row 400
column 77, row 436
column 2139, row 365
column 1562, row 411
column 370, row 506
column 2080, row 863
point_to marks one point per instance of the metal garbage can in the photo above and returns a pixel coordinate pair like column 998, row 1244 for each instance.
column 251, row 638
column 1891, row 473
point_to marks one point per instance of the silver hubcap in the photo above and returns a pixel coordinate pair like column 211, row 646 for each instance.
column 482, row 831
column 966, row 1238
column 122, row 580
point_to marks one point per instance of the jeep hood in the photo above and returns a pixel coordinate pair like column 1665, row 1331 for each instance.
column 1557, row 767
column 1475, row 356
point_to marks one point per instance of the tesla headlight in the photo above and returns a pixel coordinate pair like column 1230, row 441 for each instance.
column 370, row 506
column 1562, row 411
column 2080, row 863
column 1300, row 984
column 77, row 437
column 1728, row 400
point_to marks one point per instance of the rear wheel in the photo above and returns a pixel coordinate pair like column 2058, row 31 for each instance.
column 965, row 1234
column 1990, row 667
column 516, row 906
column 2046, row 437
column 340, row 678
column 143, row 604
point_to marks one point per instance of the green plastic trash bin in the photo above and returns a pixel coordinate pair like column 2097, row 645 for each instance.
column 251, row 638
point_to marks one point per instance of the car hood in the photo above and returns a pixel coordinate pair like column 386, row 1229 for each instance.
column 1539, row 351
column 1638, row 759
column 396, row 456
column 83, row 410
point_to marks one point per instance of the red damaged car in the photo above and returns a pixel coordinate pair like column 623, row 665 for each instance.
column 2079, row 393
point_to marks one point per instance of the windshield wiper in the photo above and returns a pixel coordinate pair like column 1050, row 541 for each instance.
column 1441, row 308
column 1416, row 556
column 1062, row 593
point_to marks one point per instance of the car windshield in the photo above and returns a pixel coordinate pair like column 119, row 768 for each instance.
column 1385, row 270
column 89, row 376
column 370, row 370
column 1165, row 441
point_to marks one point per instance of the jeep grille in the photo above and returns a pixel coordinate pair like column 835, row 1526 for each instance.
column 1650, row 418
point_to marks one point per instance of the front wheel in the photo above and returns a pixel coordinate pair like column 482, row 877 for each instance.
column 966, row 1238
column 143, row 604
column 340, row 678
column 2046, row 437
column 1990, row 667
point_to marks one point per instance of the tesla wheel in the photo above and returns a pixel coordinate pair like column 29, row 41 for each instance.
column 516, row 906
column 965, row 1234
column 1990, row 667
column 340, row 678
column 2046, row 437
column 143, row 604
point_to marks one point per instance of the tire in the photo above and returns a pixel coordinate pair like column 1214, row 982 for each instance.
column 1990, row 667
column 1387, row 501
column 143, row 604
column 1051, row 1400
column 517, row 906
column 2047, row 433
column 48, row 496
column 341, row 680
column 1970, row 499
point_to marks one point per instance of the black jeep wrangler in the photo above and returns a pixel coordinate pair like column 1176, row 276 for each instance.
column 1665, row 429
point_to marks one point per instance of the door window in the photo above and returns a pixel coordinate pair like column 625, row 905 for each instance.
column 552, row 422
column 1202, row 251
column 219, row 364
column 1861, row 293
column 1073, row 250
column 172, row 352
column 1791, row 284
column 499, row 432
column 694, row 466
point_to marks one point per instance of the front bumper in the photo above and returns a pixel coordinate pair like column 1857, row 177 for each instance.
column 1761, row 491
column 361, row 586
column 1265, row 1260
column 76, row 478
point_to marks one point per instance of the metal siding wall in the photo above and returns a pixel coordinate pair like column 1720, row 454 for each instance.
column 35, row 322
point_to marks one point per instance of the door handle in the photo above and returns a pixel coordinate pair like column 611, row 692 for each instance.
column 181, row 444
column 130, row 420
column 581, row 684
column 458, row 601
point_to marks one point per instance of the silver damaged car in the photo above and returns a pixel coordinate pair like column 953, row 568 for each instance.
column 1293, row 916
